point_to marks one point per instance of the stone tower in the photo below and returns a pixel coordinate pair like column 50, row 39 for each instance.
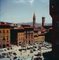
column 34, row 20
column 43, row 21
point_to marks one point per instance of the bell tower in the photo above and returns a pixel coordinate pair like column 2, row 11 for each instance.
column 43, row 21
column 34, row 20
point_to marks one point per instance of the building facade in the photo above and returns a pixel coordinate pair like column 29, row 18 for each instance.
column 29, row 34
column 4, row 35
column 22, row 35
column 17, row 36
column 21, row 40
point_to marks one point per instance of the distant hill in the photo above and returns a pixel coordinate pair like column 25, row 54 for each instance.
column 30, row 23
column 37, row 24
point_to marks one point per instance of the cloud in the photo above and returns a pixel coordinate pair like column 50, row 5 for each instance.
column 44, row 1
column 19, row 1
column 31, row 1
column 24, row 1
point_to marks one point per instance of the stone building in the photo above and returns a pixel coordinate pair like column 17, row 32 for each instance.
column 4, row 34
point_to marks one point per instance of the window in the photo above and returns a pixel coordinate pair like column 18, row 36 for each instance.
column 7, row 31
column 0, row 45
column 3, row 38
column 19, row 43
column 0, row 31
column 3, row 31
column 7, row 44
column 31, row 35
column 3, row 45
column 7, row 41
column 7, row 37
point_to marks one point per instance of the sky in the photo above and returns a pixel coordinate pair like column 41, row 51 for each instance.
column 21, row 11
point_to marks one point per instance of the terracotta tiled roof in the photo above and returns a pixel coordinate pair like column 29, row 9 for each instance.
column 25, row 25
column 4, row 24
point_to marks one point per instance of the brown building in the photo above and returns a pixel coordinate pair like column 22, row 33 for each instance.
column 28, row 34
column 4, row 35
column 17, row 36
column 38, row 36
column 21, row 40
column 35, row 34
column 22, row 35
